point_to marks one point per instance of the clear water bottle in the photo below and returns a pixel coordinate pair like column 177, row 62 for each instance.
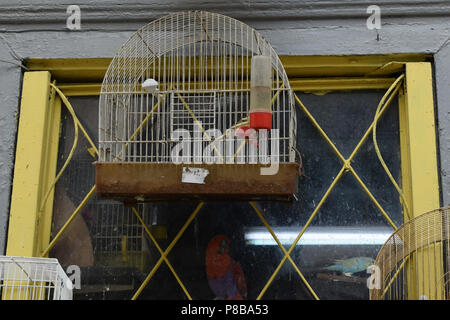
column 261, row 93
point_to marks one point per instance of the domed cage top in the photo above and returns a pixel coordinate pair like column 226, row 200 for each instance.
column 175, row 115
column 414, row 262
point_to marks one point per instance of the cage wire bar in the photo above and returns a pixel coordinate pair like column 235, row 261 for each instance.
column 201, row 61
column 414, row 262
column 24, row 278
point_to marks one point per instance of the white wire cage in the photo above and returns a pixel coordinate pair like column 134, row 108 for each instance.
column 26, row 278
column 199, row 64
column 118, row 237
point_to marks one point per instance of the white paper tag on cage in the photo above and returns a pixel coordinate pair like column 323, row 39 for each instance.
column 194, row 175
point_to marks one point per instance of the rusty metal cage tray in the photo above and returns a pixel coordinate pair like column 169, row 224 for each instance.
column 139, row 182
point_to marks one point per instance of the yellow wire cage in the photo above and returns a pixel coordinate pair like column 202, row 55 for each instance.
column 413, row 263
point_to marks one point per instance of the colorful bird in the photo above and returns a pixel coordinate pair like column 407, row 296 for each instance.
column 225, row 276
column 351, row 265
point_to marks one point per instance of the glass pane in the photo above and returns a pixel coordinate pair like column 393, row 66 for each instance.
column 342, row 241
column 345, row 236
column 344, row 116
column 370, row 170
column 105, row 240
column 212, row 274
column 115, row 253
column 75, row 247
column 288, row 285
column 162, row 286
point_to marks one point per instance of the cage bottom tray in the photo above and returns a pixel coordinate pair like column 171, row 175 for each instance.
column 138, row 182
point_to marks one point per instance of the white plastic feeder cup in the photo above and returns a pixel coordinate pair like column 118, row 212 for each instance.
column 150, row 85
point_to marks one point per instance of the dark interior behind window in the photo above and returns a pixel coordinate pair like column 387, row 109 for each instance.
column 115, row 254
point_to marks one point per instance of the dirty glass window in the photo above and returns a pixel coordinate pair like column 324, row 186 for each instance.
column 115, row 254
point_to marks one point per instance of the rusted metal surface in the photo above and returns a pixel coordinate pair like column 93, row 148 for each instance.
column 136, row 182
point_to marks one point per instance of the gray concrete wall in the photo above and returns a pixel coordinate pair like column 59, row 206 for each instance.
column 442, row 74
column 333, row 27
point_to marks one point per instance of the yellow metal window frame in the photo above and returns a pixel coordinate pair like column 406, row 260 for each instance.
column 39, row 122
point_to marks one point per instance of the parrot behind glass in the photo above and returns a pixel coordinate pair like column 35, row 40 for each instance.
column 225, row 276
column 351, row 265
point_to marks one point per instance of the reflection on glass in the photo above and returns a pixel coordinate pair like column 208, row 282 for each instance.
column 317, row 236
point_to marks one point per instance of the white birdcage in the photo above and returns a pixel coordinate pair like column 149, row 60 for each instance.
column 25, row 278
column 188, row 83
column 118, row 238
